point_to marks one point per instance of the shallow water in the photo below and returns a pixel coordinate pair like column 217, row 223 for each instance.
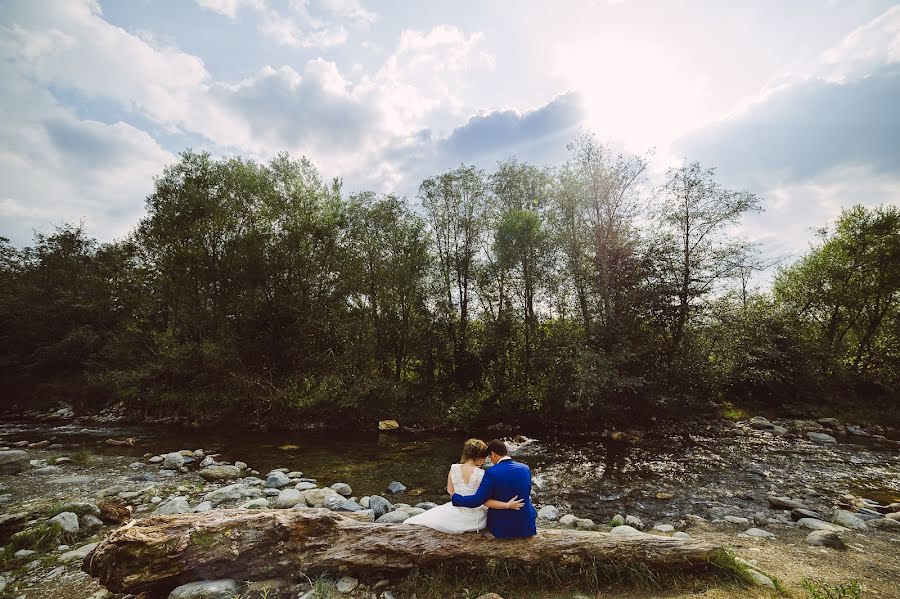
column 722, row 467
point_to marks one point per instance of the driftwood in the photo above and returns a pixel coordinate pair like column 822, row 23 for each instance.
column 158, row 553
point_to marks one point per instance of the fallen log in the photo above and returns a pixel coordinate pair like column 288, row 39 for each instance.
column 158, row 553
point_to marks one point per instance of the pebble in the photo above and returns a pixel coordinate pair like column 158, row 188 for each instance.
column 821, row 438
column 346, row 585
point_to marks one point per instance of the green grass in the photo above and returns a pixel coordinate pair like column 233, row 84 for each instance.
column 82, row 457
column 819, row 589
column 734, row 413
column 42, row 537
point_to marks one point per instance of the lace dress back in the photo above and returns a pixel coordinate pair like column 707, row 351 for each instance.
column 460, row 485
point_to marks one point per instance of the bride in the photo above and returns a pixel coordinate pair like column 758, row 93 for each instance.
column 464, row 479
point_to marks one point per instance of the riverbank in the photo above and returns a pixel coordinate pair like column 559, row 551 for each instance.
column 718, row 489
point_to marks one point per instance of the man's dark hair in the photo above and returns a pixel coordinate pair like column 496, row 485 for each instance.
column 497, row 446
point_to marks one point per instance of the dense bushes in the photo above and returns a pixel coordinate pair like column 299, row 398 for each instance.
column 571, row 297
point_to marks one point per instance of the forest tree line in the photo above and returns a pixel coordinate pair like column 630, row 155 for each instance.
column 571, row 296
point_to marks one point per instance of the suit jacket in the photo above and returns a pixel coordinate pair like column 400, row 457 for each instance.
column 504, row 481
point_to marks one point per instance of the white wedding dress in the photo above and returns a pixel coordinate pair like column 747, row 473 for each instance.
column 452, row 519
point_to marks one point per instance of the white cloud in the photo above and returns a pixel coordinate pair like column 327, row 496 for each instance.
column 297, row 30
column 866, row 48
column 350, row 9
column 229, row 8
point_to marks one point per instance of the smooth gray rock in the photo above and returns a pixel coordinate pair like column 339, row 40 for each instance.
column 207, row 589
column 635, row 522
column 569, row 520
column 857, row 431
column 820, row 438
column 548, row 512
column 173, row 461
column 395, row 517
column 884, row 524
column 346, row 585
column 260, row 503
column 396, row 487
column 304, row 486
column 288, row 498
column 785, row 503
column 77, row 554
column 760, row 579
column 232, row 492
column 379, row 506
column 90, row 522
column 825, row 538
column 664, row 528
column 425, row 505
column 203, row 506
column 348, row 506
column 585, row 524
column 342, row 489
column 176, row 505
column 277, row 480
column 681, row 535
column 758, row 533
column 760, row 423
column 317, row 497
column 44, row 470
column 814, row 524
column 625, row 531
column 800, row 513
column 157, row 459
column 220, row 473
column 68, row 521
column 848, row 520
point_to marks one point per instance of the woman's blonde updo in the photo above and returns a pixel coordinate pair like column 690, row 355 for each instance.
column 472, row 450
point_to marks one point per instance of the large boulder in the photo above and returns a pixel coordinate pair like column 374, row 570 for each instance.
column 317, row 497
column 760, row 423
column 884, row 523
column 342, row 489
column 13, row 461
column 548, row 512
column 223, row 472
column 626, row 531
column 207, row 589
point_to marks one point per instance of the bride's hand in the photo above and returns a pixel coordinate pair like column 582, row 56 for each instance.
column 515, row 503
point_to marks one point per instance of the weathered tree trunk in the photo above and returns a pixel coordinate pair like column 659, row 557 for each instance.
column 159, row 553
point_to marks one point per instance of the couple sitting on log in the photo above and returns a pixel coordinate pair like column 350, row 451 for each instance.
column 485, row 498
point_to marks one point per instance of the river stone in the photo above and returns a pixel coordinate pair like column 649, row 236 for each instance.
column 47, row 470
column 681, row 535
column 893, row 516
column 207, row 462
column 317, row 497
column 548, row 512
column 395, row 517
column 569, row 520
column 857, row 431
column 425, row 505
column 820, row 438
column 664, row 528
column 832, row 422
column 786, row 503
column 288, row 498
column 294, row 474
column 848, row 520
column 825, row 538
column 634, row 522
column 271, row 492
column 260, row 503
column 884, row 523
column 396, row 487
column 229, row 493
column 758, row 533
column 346, row 585
column 241, row 465
column 411, row 511
column 760, row 423
column 585, row 524
column 67, row 520
column 388, row 425
column 207, row 589
column 24, row 553
column 173, row 461
column 203, row 506
column 379, row 506
column 77, row 554
column 760, row 579
column 798, row 514
column 348, row 506
column 342, row 489
column 625, row 531
column 13, row 461
column 89, row 522
column 736, row 519
column 779, row 430
column 303, row 486
column 176, row 505
column 813, row 524
column 212, row 473
column 277, row 480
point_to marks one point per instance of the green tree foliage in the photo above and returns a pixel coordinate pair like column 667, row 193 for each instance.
column 261, row 292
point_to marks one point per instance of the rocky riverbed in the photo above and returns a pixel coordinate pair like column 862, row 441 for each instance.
column 794, row 505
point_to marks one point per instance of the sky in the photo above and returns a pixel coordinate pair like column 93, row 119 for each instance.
column 798, row 102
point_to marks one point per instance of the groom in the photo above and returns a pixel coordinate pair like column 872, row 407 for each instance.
column 505, row 480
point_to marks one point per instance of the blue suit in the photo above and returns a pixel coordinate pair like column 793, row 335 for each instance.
column 504, row 481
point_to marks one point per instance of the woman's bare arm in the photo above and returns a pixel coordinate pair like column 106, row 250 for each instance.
column 513, row 504
column 449, row 484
